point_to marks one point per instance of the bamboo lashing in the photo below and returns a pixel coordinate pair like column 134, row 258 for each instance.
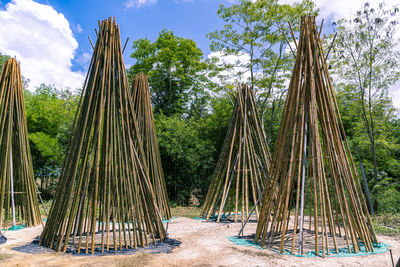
column 18, row 195
column 104, row 199
column 243, row 165
column 144, row 117
column 312, row 151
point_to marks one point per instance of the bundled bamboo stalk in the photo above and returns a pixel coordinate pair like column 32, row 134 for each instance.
column 18, row 199
column 144, row 117
column 243, row 165
column 312, row 164
column 104, row 198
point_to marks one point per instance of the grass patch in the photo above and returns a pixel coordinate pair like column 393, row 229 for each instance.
column 255, row 253
column 141, row 259
column 189, row 212
column 387, row 224
column 4, row 256
column 47, row 205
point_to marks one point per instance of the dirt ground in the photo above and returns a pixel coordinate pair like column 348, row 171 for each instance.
column 202, row 244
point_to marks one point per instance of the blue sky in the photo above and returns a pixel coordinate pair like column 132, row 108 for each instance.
column 191, row 19
column 50, row 37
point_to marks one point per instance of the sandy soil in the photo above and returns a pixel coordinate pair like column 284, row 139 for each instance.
column 203, row 244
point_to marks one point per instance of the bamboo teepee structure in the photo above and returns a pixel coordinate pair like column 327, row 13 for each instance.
column 144, row 117
column 104, row 199
column 18, row 199
column 243, row 165
column 312, row 170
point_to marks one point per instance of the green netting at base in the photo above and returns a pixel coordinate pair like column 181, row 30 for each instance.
column 343, row 252
column 15, row 227
column 165, row 221
column 212, row 218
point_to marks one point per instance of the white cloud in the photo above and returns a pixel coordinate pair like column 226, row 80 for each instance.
column 337, row 9
column 394, row 92
column 237, row 1
column 41, row 39
column 238, row 73
column 84, row 59
column 79, row 28
column 340, row 8
column 139, row 3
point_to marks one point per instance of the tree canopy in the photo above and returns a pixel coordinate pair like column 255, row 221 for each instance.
column 175, row 70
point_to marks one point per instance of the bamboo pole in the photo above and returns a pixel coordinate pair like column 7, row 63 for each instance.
column 336, row 203
column 105, row 199
column 18, row 193
column 243, row 164
column 144, row 116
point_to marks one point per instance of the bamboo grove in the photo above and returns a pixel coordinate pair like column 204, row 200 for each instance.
column 18, row 195
column 104, row 199
column 147, row 134
column 312, row 172
column 241, row 172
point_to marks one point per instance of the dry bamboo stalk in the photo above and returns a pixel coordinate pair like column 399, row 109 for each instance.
column 15, row 156
column 143, row 110
column 243, row 165
column 105, row 198
column 337, row 205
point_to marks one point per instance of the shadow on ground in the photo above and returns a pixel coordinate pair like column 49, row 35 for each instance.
column 165, row 247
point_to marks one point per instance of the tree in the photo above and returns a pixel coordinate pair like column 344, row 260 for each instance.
column 367, row 62
column 50, row 114
column 387, row 141
column 189, row 149
column 257, row 32
column 187, row 156
column 175, row 70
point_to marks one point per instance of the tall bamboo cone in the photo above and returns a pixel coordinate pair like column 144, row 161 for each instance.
column 243, row 165
column 16, row 172
column 104, row 198
column 312, row 170
column 144, row 117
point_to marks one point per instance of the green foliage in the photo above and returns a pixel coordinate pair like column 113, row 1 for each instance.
column 388, row 196
column 365, row 52
column 189, row 212
column 190, row 148
column 388, row 224
column 367, row 62
column 175, row 70
column 387, row 147
column 215, row 124
column 49, row 114
column 258, row 30
column 190, row 126
column 3, row 58
column 187, row 157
